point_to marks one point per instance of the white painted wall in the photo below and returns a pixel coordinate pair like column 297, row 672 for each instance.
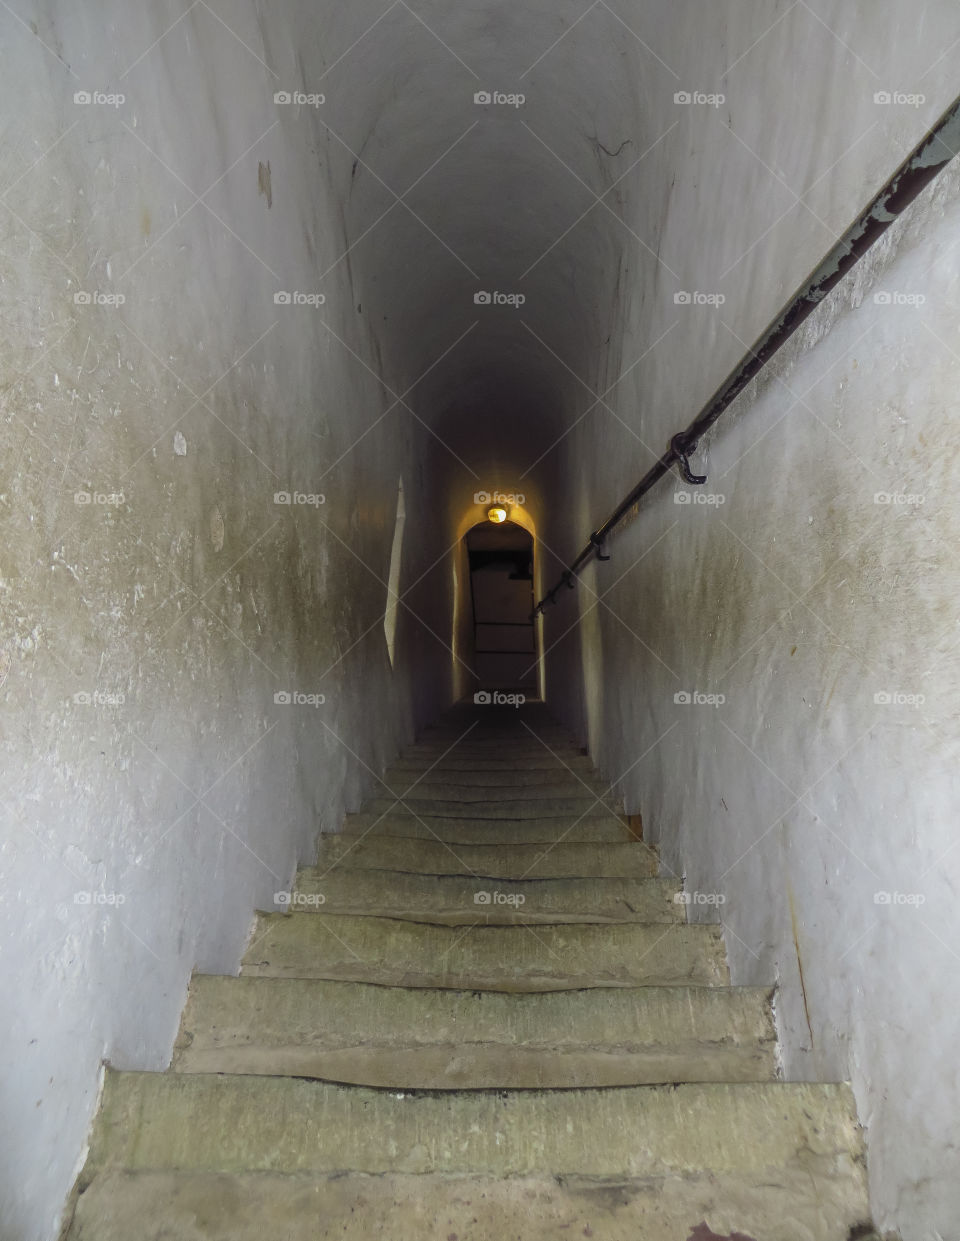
column 800, row 599
column 196, row 598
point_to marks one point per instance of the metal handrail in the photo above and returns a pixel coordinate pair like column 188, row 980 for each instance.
column 926, row 161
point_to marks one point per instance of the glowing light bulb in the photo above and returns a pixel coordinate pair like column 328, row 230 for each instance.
column 496, row 514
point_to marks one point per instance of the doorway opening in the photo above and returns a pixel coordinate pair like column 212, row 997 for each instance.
column 500, row 559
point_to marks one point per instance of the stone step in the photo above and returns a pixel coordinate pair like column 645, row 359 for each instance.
column 634, row 860
column 441, row 1040
column 571, row 808
column 558, row 789
column 247, row 1123
column 533, row 734
column 489, row 767
column 538, row 739
column 533, row 742
column 476, row 729
column 517, row 750
column 509, row 721
column 400, row 779
column 395, row 953
column 599, row 826
column 820, row 1198
column 399, row 1059
column 455, row 900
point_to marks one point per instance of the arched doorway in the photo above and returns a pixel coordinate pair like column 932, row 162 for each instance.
column 500, row 563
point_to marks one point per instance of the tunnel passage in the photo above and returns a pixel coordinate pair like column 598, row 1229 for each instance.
column 500, row 556
column 486, row 274
column 319, row 249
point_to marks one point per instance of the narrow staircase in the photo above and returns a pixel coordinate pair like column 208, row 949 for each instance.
column 481, row 1016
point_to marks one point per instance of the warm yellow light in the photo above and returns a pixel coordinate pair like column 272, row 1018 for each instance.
column 496, row 514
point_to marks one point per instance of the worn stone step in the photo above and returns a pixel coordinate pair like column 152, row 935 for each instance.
column 395, row 953
column 246, row 1123
column 391, row 1062
column 536, row 757
column 572, row 807
column 533, row 736
column 441, row 1040
column 598, row 826
column 489, row 767
column 512, row 778
column 812, row 1198
column 456, row 900
column 492, row 746
column 538, row 861
column 531, row 742
column 435, row 791
column 476, row 729
column 493, row 742
column 516, row 725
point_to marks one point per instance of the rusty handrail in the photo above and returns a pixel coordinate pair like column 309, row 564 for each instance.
column 928, row 158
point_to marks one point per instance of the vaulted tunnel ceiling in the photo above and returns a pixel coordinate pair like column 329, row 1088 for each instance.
column 496, row 198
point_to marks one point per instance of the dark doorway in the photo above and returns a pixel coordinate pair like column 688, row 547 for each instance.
column 501, row 594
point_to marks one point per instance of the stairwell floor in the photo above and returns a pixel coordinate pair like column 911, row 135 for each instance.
column 480, row 1014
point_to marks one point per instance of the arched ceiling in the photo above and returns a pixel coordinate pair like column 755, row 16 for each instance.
column 450, row 198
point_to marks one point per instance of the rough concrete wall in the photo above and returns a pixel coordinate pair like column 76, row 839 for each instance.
column 153, row 595
column 816, row 590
